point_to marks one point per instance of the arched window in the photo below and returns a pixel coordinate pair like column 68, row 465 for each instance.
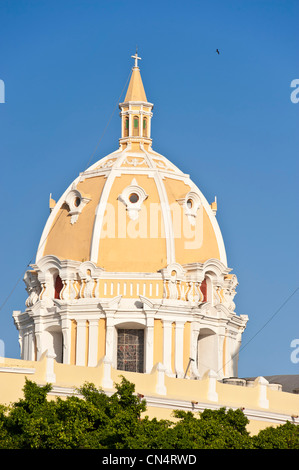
column 126, row 127
column 130, row 350
column 144, row 127
column 207, row 351
column 53, row 341
column 203, row 289
column 58, row 287
column 207, row 289
column 135, row 125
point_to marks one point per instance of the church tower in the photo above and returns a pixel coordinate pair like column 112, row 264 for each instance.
column 131, row 266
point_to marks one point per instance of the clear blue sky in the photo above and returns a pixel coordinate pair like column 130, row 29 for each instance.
column 227, row 120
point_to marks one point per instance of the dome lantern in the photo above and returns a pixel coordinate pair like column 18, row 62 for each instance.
column 135, row 112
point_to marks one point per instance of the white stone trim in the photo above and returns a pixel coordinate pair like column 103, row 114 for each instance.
column 133, row 208
column 166, row 213
column 167, row 346
column 81, row 342
column 99, row 217
column 179, row 349
column 17, row 370
column 190, row 212
column 186, row 405
column 93, row 342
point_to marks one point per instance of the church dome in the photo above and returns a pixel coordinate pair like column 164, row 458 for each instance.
column 131, row 266
column 133, row 211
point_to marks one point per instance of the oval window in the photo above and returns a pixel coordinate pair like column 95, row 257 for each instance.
column 189, row 203
column 77, row 202
column 133, row 198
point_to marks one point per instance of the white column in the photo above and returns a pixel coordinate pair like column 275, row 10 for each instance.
column 195, row 327
column 81, row 342
column 149, row 345
column 93, row 342
column 179, row 348
column 160, row 386
column 212, row 378
column 237, row 349
column 262, row 383
column 220, row 370
column 38, row 338
column 167, row 346
column 130, row 115
column 149, row 126
column 141, row 122
column 232, row 356
column 66, row 327
column 110, row 338
column 25, row 345
column 31, row 348
column 107, row 382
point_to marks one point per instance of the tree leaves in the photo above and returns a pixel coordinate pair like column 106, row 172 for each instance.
column 94, row 420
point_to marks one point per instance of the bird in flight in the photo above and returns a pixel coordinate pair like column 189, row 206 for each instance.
column 217, row 50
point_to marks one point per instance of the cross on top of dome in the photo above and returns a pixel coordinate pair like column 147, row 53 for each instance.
column 136, row 59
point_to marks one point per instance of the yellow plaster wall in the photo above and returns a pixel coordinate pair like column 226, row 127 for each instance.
column 102, row 338
column 173, row 326
column 73, row 241
column 287, row 401
column 134, row 250
column 144, row 383
column 11, row 384
column 207, row 244
column 158, row 341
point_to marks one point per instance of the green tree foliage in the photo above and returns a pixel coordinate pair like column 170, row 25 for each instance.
column 94, row 420
column 285, row 436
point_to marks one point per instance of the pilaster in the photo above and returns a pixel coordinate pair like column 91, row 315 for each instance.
column 167, row 346
column 179, row 348
column 93, row 342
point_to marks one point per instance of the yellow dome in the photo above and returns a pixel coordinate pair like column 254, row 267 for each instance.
column 168, row 221
column 133, row 211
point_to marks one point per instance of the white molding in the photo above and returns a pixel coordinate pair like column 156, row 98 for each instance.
column 70, row 200
column 186, row 405
column 133, row 208
column 190, row 212
column 17, row 370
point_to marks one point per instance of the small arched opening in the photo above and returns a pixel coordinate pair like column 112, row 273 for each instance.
column 144, row 127
column 126, row 127
column 135, row 126
column 207, row 351
column 53, row 341
column 207, row 289
column 58, row 285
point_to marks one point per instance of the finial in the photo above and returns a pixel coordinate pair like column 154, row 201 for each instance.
column 136, row 58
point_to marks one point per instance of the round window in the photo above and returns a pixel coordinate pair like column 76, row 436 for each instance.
column 133, row 198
